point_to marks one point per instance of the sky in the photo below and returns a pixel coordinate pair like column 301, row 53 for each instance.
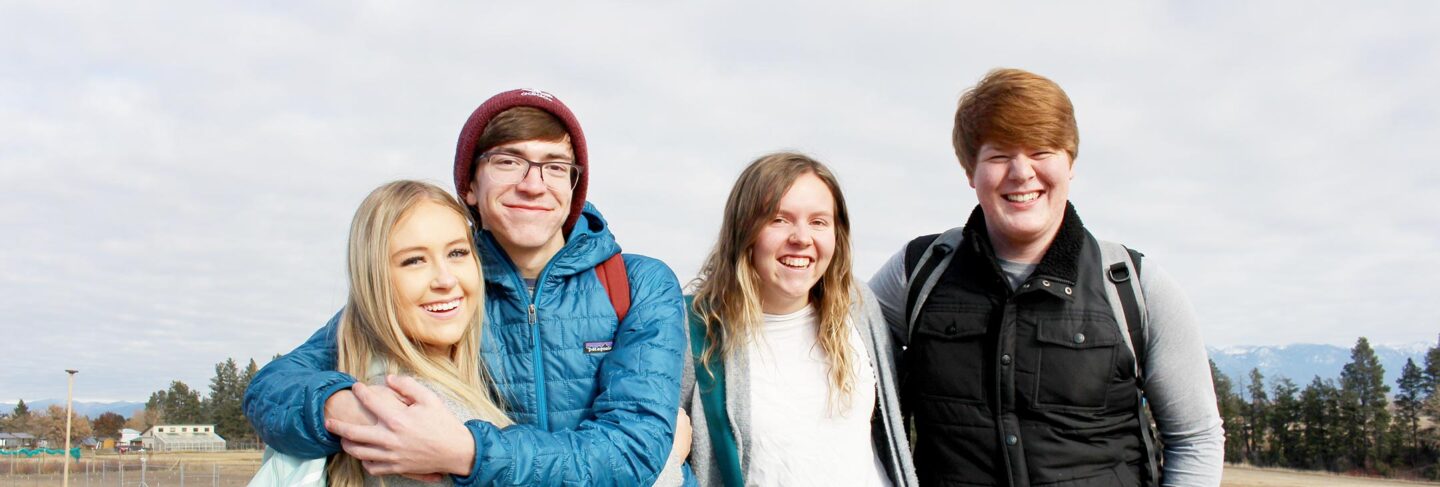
column 177, row 178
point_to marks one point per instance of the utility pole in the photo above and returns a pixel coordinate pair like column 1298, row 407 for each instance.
column 69, row 413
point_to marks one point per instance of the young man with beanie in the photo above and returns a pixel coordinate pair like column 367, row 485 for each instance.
column 594, row 395
column 1034, row 352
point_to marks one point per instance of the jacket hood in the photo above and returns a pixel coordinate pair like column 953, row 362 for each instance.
column 587, row 245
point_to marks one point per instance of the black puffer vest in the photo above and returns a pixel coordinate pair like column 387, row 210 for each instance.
column 1022, row 388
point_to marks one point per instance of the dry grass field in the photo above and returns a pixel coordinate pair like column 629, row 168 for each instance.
column 234, row 469
column 215, row 469
column 1242, row 476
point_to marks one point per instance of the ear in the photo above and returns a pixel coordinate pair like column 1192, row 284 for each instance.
column 470, row 198
column 970, row 176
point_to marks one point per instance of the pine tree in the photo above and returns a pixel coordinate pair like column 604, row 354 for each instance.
column 182, row 405
column 247, row 431
column 1229, row 405
column 223, row 405
column 1319, row 410
column 1409, row 399
column 1254, row 414
column 1284, row 421
column 1432, row 380
column 1363, row 389
column 20, row 418
column 1430, row 408
column 154, row 413
column 1432, row 369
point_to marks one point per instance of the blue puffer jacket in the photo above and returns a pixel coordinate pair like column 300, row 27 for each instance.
column 605, row 416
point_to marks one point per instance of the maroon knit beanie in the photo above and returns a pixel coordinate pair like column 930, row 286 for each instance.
column 465, row 152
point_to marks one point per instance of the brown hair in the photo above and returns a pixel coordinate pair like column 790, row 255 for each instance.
column 727, row 292
column 520, row 123
column 1013, row 107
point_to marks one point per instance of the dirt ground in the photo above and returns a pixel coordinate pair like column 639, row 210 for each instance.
column 234, row 468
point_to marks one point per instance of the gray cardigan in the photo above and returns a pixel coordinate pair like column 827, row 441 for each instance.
column 887, row 428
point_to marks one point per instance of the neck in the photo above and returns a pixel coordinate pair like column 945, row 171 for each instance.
column 531, row 260
column 1027, row 251
column 439, row 351
column 783, row 306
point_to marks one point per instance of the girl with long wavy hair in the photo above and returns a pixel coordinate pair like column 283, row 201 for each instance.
column 792, row 379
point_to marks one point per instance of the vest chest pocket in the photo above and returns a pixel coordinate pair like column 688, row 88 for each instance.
column 947, row 358
column 1077, row 357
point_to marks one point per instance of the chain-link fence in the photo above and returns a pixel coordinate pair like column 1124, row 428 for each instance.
column 135, row 471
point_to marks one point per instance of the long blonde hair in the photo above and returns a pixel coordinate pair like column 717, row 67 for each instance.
column 727, row 292
column 370, row 328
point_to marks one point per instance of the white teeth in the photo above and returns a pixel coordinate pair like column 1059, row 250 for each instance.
column 441, row 307
column 796, row 262
column 1021, row 198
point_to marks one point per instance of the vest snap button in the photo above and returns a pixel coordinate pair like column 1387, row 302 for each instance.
column 1045, row 283
column 1079, row 338
column 1005, row 359
column 950, row 330
column 1068, row 291
column 1011, row 440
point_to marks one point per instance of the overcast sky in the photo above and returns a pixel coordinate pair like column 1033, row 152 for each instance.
column 176, row 179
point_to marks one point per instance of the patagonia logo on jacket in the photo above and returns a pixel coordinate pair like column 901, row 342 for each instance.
column 599, row 347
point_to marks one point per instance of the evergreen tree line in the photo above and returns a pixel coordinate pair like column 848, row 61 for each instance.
column 1354, row 425
column 179, row 404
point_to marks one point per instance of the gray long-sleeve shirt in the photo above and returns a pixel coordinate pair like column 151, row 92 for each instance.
column 1177, row 372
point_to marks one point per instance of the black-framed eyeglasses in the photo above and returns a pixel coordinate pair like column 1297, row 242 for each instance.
column 505, row 168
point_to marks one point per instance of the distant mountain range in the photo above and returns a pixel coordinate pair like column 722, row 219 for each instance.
column 1301, row 363
column 90, row 410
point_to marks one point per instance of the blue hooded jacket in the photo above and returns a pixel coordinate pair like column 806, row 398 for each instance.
column 594, row 399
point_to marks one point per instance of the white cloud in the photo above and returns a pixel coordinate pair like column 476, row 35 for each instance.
column 177, row 178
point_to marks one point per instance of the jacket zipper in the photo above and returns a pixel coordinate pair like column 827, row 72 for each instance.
column 537, row 363
column 542, row 416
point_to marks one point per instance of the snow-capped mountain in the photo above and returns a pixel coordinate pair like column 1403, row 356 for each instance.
column 90, row 410
column 1301, row 363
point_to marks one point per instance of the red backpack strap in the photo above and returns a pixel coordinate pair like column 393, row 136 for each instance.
column 616, row 283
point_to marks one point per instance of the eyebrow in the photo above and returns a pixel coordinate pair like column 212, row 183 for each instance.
column 422, row 247
column 828, row 214
column 551, row 156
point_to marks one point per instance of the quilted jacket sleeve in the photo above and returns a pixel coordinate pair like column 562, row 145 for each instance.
column 628, row 439
column 286, row 399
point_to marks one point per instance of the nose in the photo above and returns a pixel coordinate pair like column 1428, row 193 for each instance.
column 1022, row 168
column 533, row 182
column 444, row 277
column 801, row 235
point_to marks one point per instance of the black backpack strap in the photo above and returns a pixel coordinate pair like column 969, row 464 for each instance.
column 1119, row 261
column 925, row 271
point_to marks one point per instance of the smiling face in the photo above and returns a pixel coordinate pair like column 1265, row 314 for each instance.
column 1023, row 192
column 525, row 217
column 435, row 275
column 793, row 250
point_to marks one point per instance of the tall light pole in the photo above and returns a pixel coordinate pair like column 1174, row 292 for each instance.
column 69, row 405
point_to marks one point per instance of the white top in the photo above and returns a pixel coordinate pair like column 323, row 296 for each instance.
column 797, row 438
